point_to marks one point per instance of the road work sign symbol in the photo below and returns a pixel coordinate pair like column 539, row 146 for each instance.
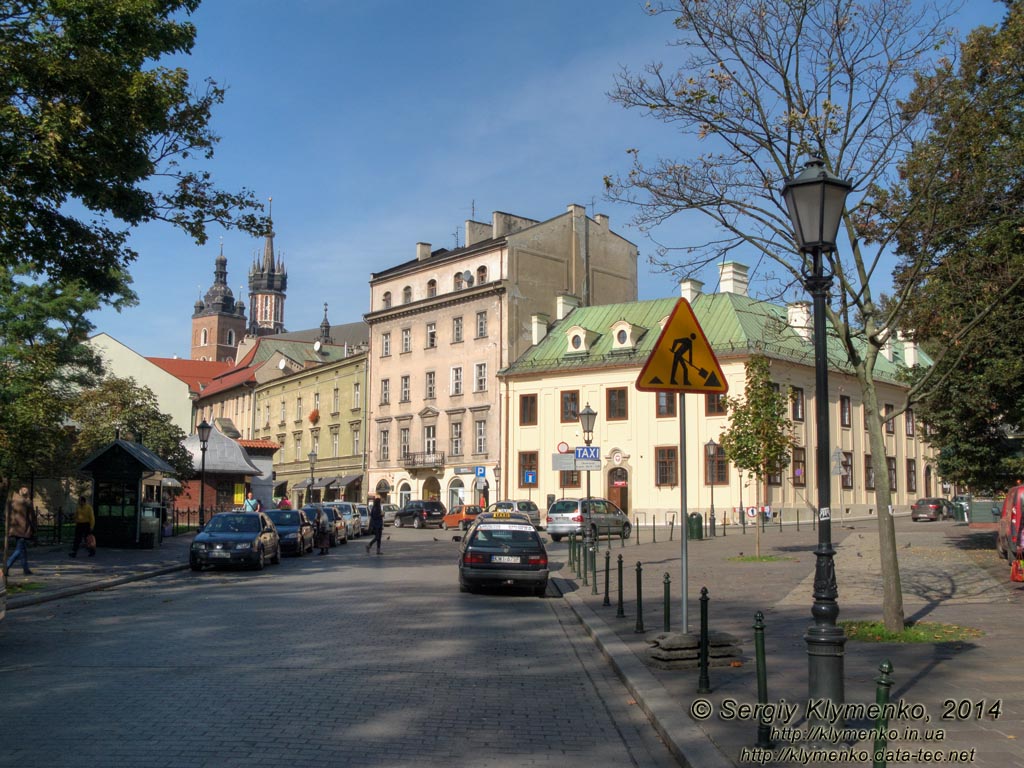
column 682, row 360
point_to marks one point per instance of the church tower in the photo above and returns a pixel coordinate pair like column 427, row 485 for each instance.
column 218, row 321
column 268, row 281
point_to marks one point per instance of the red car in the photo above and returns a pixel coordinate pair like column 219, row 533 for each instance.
column 1008, row 539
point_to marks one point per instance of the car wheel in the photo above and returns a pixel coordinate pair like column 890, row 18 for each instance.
column 556, row 537
column 541, row 589
column 260, row 560
column 194, row 564
column 276, row 559
column 398, row 522
column 626, row 530
column 417, row 522
column 464, row 525
column 300, row 548
column 463, row 587
column 344, row 540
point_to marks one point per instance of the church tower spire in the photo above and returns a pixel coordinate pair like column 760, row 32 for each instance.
column 218, row 320
column 268, row 283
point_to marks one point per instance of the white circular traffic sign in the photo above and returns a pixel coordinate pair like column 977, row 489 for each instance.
column 751, row 511
column 563, row 447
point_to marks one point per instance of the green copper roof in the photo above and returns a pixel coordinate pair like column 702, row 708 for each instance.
column 734, row 324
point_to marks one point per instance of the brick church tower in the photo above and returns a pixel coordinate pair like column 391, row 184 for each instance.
column 218, row 322
column 268, row 281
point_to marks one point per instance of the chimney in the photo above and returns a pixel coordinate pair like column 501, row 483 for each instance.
column 422, row 251
column 602, row 220
column 564, row 304
column 910, row 356
column 690, row 289
column 733, row 278
column 477, row 232
column 539, row 327
column 798, row 316
column 887, row 349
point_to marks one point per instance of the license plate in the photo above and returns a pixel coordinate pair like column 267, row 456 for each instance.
column 218, row 553
column 504, row 559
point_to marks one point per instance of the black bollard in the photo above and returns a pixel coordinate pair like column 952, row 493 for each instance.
column 620, row 613
column 725, row 522
column 654, row 529
column 637, row 529
column 639, row 598
column 764, row 740
column 585, row 551
column 593, row 567
column 884, row 683
column 667, row 580
column 798, row 519
column 703, row 682
column 607, row 568
column 571, row 554
column 711, row 525
column 779, row 515
column 672, row 528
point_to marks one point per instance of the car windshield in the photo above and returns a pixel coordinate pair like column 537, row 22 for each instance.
column 504, row 535
column 526, row 506
column 233, row 524
column 562, row 507
column 282, row 517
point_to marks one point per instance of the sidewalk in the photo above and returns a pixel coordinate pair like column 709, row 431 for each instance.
column 950, row 574
column 56, row 575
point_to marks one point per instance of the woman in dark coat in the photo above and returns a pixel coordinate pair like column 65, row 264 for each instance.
column 322, row 538
column 376, row 524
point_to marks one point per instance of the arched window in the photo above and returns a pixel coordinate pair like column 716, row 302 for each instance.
column 387, row 299
column 431, row 288
column 457, row 282
column 204, row 337
column 231, row 338
column 404, row 494
column 481, row 275
column 407, row 294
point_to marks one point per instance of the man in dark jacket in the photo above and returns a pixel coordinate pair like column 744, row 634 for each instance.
column 21, row 526
column 376, row 524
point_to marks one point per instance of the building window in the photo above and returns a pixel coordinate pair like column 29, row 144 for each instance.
column 480, row 378
column 456, row 438
column 403, row 390
column 407, row 340
column 385, row 391
column 480, row 430
column 431, row 392
column 334, row 444
column 431, row 288
column 357, row 396
column 356, row 449
column 714, row 405
column 384, row 444
column 774, row 477
column 316, row 401
column 266, row 416
column 204, row 337
column 716, row 468
column 385, row 345
column 911, row 475
column 403, row 442
column 457, row 281
column 527, row 410
column 845, row 411
column 616, row 402
column 890, row 465
column 847, row 476
column 481, row 325
column 666, row 466
column 298, row 448
column 527, row 463
column 386, row 299
column 457, row 380
column 481, row 275
column 284, row 411
column 569, row 478
column 799, row 467
column 796, row 397
column 570, row 406
column 431, row 335
column 298, row 409
column 335, row 400
column 231, row 338
column 665, row 405
column 456, row 330
column 407, row 294
column 890, row 424
column 908, row 420
column 869, row 473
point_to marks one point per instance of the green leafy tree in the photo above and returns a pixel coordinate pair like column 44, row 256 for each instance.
column 759, row 437
column 121, row 406
column 759, row 87
column 97, row 137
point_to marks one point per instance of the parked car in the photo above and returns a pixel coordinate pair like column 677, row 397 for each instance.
column 389, row 510
column 567, row 516
column 420, row 514
column 931, row 509
column 1008, row 537
column 529, row 508
column 349, row 516
column 503, row 553
column 364, row 518
column 295, row 530
column 461, row 516
column 236, row 538
column 339, row 533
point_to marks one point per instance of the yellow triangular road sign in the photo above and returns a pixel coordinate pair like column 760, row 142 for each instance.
column 682, row 359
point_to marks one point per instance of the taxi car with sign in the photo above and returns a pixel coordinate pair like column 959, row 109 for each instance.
column 503, row 550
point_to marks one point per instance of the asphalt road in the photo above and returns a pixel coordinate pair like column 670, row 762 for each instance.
column 348, row 659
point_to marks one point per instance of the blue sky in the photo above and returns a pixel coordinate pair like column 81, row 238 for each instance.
column 376, row 125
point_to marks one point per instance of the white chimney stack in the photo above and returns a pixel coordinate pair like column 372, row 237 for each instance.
column 538, row 327
column 734, row 278
column 690, row 289
column 798, row 316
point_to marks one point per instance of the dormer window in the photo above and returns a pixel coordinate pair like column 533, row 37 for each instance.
column 580, row 340
column 625, row 336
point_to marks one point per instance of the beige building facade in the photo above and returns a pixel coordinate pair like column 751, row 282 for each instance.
column 443, row 324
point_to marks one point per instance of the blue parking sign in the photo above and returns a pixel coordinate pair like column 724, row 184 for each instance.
column 481, row 471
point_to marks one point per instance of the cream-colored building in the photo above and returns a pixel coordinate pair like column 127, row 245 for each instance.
column 593, row 357
column 443, row 324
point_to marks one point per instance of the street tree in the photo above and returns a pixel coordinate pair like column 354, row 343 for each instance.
column 99, row 137
column 760, row 86
column 759, row 438
column 118, row 406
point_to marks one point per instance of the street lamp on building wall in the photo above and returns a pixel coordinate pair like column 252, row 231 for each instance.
column 711, row 449
column 588, row 417
column 815, row 200
column 204, row 429
column 312, row 468
column 497, row 481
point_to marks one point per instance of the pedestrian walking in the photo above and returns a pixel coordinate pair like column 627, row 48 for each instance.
column 252, row 504
column 376, row 524
column 322, row 538
column 85, row 521
column 21, row 526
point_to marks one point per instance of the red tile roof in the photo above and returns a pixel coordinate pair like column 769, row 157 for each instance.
column 269, row 445
column 197, row 374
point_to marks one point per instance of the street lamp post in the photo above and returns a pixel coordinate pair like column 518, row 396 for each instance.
column 497, row 481
column 711, row 449
column 588, row 416
column 815, row 200
column 312, row 467
column 204, row 429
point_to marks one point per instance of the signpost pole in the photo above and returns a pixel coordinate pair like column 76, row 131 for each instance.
column 683, row 564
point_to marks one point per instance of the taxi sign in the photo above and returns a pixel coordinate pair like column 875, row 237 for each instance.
column 682, row 359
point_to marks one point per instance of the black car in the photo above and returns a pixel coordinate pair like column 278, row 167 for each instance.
column 339, row 531
column 503, row 552
column 420, row 514
column 295, row 530
column 236, row 538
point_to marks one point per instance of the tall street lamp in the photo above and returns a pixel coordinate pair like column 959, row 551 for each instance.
column 204, row 429
column 711, row 449
column 815, row 200
column 497, row 481
column 588, row 416
column 312, row 467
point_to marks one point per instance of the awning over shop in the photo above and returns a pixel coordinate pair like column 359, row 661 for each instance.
column 345, row 481
column 170, row 482
column 325, row 482
column 302, row 485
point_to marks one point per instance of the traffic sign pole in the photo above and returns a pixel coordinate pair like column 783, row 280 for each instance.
column 683, row 563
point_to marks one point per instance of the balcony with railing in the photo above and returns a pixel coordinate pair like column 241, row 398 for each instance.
column 423, row 460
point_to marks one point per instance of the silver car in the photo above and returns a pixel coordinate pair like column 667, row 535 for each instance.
column 389, row 511
column 347, row 510
column 567, row 516
column 528, row 508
